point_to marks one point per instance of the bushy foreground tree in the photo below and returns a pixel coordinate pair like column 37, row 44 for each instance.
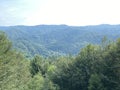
column 18, row 73
column 95, row 68
column 14, row 71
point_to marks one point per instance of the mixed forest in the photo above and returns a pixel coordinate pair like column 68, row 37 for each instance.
column 95, row 67
column 57, row 40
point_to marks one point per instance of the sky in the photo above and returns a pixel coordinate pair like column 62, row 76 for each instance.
column 69, row 12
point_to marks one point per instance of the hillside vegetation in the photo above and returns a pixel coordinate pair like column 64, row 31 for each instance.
column 57, row 40
column 96, row 67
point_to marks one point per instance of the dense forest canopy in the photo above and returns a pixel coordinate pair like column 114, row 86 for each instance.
column 96, row 67
column 58, row 40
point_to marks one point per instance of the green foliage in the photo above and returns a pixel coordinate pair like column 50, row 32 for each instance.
column 14, row 71
column 38, row 82
column 94, row 68
column 48, row 40
column 5, row 44
column 38, row 65
column 95, row 83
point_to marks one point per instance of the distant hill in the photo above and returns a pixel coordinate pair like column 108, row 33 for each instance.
column 58, row 39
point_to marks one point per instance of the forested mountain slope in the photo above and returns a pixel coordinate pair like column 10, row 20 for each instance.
column 58, row 39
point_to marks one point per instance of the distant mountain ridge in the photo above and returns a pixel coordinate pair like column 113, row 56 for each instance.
column 50, row 40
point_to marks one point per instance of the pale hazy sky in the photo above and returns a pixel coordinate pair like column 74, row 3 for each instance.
column 70, row 12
